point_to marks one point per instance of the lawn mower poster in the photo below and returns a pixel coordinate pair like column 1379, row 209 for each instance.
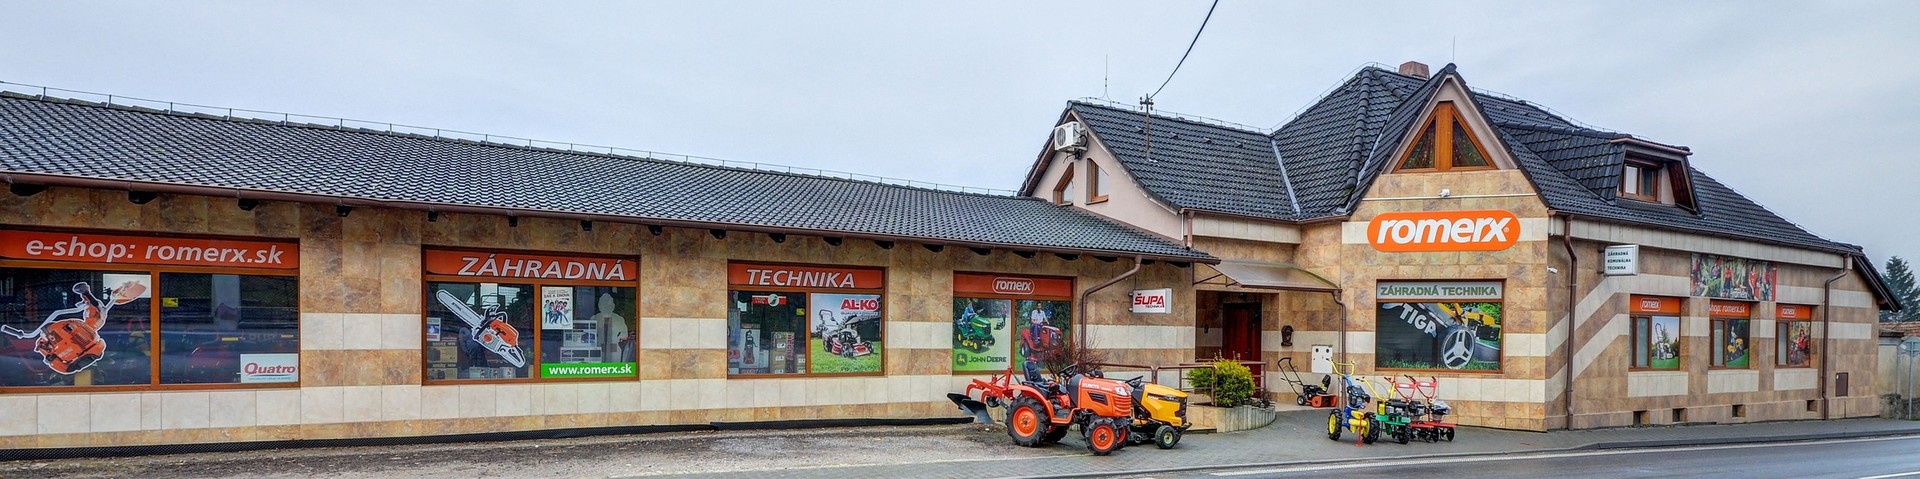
column 846, row 333
column 982, row 340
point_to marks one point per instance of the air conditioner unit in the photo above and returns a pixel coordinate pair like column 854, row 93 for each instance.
column 1069, row 137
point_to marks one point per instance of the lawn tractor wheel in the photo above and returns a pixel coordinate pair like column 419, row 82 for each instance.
column 1166, row 437
column 1027, row 422
column 1333, row 425
column 1103, row 437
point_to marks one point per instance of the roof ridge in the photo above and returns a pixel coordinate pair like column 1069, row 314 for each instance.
column 1171, row 115
column 1590, row 133
column 687, row 160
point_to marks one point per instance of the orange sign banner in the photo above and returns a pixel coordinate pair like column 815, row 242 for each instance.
column 1729, row 309
column 969, row 283
column 1655, row 304
column 513, row 265
column 1428, row 231
column 788, row 276
column 94, row 248
column 1793, row 311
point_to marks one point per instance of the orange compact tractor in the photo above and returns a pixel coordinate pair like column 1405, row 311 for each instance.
column 1041, row 409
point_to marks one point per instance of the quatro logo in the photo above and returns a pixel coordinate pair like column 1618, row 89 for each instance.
column 1013, row 286
column 1425, row 231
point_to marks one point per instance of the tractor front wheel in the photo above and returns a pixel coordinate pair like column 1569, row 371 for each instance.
column 1166, row 437
column 1103, row 437
column 1027, row 423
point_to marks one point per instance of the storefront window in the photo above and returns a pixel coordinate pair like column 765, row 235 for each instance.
column 225, row 328
column 1000, row 320
column 81, row 310
column 784, row 319
column 1793, row 337
column 1732, row 339
column 545, row 317
column 1656, row 333
column 1429, row 325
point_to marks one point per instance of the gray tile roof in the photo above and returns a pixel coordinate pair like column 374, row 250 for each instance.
column 1334, row 149
column 93, row 141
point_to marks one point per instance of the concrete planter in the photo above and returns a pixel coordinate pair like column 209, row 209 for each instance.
column 1230, row 419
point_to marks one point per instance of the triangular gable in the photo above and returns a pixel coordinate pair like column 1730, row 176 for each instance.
column 1403, row 128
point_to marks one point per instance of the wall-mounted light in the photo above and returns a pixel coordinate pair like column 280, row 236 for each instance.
column 248, row 204
column 935, row 247
column 832, row 240
column 883, row 244
column 656, row 230
column 718, row 233
column 1024, row 254
column 586, row 225
column 778, row 237
column 343, row 210
column 24, row 189
column 433, row 216
column 1446, row 192
column 513, row 222
column 981, row 251
column 141, row 197
column 1067, row 256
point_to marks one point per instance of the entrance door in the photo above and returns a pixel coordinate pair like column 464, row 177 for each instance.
column 1240, row 333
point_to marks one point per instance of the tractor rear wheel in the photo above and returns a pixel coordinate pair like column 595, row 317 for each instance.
column 1027, row 422
column 1103, row 437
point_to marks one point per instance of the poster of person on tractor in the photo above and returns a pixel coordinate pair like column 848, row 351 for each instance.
column 845, row 333
column 1043, row 330
column 982, row 334
column 1727, row 277
column 1438, row 335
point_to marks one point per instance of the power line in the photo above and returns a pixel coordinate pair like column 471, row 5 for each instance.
column 1183, row 56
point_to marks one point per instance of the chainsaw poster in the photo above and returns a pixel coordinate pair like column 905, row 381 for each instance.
column 487, row 321
column 1043, row 330
column 982, row 334
column 1438, row 335
column 844, row 333
column 77, row 328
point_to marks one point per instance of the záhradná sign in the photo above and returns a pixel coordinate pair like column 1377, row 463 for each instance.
column 1440, row 290
column 1428, row 231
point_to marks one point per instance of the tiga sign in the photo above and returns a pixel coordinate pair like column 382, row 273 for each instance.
column 1428, row 231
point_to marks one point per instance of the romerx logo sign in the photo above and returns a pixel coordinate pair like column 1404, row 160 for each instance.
column 1430, row 231
column 1021, row 286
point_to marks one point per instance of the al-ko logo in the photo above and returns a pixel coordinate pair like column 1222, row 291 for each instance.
column 1013, row 286
column 1423, row 231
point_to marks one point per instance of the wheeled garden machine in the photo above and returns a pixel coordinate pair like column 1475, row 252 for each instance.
column 1390, row 416
column 1041, row 409
column 1314, row 395
column 1429, row 414
column 1159, row 413
column 1353, row 414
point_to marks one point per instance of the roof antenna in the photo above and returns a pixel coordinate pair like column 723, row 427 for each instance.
column 1106, row 72
column 1452, row 55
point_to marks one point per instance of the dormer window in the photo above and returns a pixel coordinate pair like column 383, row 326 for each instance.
column 1445, row 144
column 1063, row 190
column 1641, row 181
column 1096, row 183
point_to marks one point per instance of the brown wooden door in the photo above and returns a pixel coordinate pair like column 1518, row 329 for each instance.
column 1240, row 333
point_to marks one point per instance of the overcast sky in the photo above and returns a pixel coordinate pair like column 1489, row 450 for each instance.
column 1805, row 108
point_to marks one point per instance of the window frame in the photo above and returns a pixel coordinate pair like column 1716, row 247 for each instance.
column 1633, row 330
column 1095, row 193
column 1443, row 143
column 1060, row 195
column 153, row 315
column 1780, row 345
column 1719, row 328
column 534, row 357
column 1014, row 299
column 1502, row 369
column 807, row 331
column 1649, row 173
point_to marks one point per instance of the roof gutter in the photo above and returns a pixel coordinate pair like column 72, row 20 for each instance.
column 294, row 197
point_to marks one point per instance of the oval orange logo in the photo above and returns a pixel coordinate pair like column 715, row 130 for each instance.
column 1427, row 231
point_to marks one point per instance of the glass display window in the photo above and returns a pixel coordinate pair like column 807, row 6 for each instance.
column 800, row 320
column 499, row 316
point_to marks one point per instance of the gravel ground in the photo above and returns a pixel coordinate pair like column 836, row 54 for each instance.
column 604, row 456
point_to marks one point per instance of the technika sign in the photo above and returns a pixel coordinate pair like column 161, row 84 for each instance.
column 1430, row 231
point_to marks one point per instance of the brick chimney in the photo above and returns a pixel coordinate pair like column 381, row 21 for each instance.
column 1414, row 69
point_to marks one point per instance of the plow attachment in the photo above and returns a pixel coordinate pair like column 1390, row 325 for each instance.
column 976, row 408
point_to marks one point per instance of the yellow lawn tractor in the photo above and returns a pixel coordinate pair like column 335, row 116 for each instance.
column 1159, row 414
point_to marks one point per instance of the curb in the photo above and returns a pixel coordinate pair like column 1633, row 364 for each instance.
column 1450, row 455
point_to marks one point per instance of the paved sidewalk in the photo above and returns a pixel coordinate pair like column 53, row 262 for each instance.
column 1300, row 437
column 962, row 451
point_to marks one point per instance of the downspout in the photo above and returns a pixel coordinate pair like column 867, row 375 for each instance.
column 1826, row 333
column 1573, row 322
column 1080, row 330
column 1343, row 326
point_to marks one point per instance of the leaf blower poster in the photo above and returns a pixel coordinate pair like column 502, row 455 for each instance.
column 70, row 340
column 1447, row 336
column 845, row 333
column 1044, row 327
column 982, row 334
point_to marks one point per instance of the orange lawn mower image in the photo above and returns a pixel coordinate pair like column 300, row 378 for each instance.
column 1041, row 409
column 72, row 344
column 489, row 328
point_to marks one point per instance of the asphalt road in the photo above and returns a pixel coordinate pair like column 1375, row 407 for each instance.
column 1871, row 458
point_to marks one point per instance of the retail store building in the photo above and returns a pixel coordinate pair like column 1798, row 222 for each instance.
column 172, row 278
column 1412, row 226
